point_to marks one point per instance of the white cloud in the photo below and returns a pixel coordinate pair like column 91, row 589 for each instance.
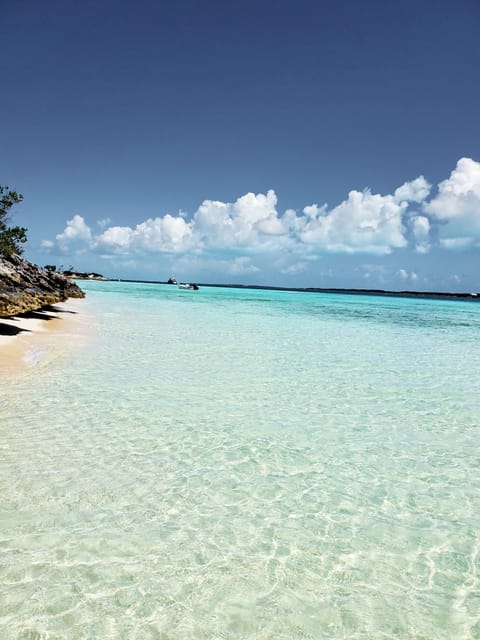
column 241, row 265
column 457, row 206
column 314, row 211
column 76, row 229
column 376, row 272
column 167, row 234
column 156, row 235
column 404, row 274
column 421, row 232
column 456, row 243
column 415, row 191
column 75, row 238
column 251, row 221
column 116, row 239
column 381, row 275
column 294, row 269
column 365, row 222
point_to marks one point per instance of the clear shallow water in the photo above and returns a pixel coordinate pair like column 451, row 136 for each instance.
column 229, row 464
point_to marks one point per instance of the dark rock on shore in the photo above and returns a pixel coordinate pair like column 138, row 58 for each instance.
column 26, row 287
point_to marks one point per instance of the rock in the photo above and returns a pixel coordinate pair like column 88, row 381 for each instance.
column 26, row 287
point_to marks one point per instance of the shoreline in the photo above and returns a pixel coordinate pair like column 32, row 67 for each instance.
column 34, row 339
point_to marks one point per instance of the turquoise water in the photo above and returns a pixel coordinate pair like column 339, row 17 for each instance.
column 231, row 464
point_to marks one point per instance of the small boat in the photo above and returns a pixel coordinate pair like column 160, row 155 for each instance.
column 186, row 285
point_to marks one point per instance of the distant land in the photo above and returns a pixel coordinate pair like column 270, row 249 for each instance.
column 84, row 275
column 365, row 292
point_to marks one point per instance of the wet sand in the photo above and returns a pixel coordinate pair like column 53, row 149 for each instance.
column 32, row 340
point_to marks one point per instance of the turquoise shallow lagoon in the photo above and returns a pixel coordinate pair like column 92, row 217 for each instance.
column 231, row 464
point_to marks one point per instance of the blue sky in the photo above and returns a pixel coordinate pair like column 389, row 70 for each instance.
column 296, row 143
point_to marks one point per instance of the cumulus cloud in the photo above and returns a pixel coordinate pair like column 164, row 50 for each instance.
column 404, row 274
column 241, row 265
column 156, row 235
column 363, row 223
column 457, row 206
column 76, row 237
column 421, row 232
column 104, row 222
column 380, row 274
column 415, row 191
column 248, row 222
column 118, row 239
column 294, row 269
column 76, row 229
column 314, row 211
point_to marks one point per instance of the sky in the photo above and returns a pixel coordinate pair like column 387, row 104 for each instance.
column 297, row 143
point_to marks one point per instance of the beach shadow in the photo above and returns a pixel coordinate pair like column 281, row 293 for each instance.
column 10, row 330
column 50, row 308
column 35, row 315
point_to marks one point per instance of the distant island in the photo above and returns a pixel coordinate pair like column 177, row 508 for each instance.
column 74, row 274
column 84, row 275
column 365, row 292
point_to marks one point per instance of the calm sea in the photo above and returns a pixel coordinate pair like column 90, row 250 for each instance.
column 236, row 464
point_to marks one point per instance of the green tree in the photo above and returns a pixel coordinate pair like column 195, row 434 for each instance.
column 10, row 237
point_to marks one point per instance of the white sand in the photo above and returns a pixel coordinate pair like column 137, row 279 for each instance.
column 45, row 337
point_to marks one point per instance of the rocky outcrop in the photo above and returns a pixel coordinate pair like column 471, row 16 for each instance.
column 26, row 287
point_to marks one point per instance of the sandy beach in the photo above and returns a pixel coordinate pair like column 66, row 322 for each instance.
column 35, row 339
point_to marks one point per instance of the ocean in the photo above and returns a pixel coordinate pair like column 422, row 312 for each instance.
column 236, row 464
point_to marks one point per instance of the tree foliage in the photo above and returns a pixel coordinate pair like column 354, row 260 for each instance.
column 11, row 237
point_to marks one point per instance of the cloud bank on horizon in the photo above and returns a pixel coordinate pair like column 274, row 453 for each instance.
column 363, row 223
